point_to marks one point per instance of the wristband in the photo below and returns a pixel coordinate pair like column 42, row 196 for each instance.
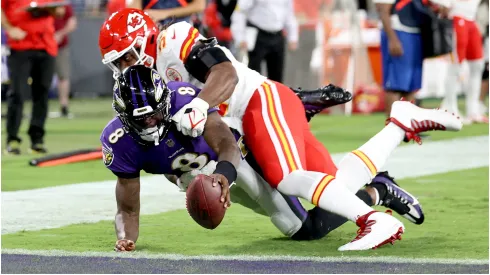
column 226, row 169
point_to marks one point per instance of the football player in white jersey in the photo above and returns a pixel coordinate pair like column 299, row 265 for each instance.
column 275, row 129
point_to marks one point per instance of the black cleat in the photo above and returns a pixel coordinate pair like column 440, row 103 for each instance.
column 397, row 199
column 317, row 100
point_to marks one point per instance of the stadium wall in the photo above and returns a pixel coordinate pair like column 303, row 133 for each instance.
column 89, row 77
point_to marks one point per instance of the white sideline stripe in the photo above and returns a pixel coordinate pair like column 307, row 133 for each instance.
column 248, row 258
column 59, row 206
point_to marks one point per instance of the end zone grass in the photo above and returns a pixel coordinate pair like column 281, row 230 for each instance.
column 456, row 226
column 456, row 204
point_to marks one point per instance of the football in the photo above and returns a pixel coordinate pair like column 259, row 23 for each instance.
column 203, row 202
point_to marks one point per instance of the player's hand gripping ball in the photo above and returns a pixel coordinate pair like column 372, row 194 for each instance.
column 203, row 202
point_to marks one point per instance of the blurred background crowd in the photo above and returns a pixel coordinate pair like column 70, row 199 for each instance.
column 303, row 43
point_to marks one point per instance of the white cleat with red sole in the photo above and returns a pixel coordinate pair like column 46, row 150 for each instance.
column 375, row 229
column 415, row 120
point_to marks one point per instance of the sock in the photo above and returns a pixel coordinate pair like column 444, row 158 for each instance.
column 324, row 191
column 474, row 87
column 360, row 166
column 338, row 199
column 450, row 101
column 380, row 147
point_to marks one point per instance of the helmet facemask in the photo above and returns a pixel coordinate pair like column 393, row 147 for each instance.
column 138, row 128
column 128, row 31
column 137, row 49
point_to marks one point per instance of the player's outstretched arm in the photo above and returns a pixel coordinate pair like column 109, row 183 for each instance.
column 220, row 84
column 128, row 213
column 209, row 64
column 221, row 140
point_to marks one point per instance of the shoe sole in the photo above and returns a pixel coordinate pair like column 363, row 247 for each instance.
column 392, row 239
column 399, row 230
column 447, row 122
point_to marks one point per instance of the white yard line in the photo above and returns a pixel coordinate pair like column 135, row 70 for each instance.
column 343, row 259
column 59, row 206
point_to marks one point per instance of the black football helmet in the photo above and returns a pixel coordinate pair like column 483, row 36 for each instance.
column 142, row 103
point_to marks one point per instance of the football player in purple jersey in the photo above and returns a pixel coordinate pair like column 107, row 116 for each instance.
column 142, row 137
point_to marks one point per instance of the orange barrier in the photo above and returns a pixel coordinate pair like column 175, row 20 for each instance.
column 68, row 157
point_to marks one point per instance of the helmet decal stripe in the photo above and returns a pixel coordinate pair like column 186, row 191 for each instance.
column 143, row 94
column 133, row 94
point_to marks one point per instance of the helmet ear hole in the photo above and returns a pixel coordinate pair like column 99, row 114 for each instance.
column 152, row 39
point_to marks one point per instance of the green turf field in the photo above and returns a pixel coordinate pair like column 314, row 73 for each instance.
column 456, row 203
column 338, row 133
column 456, row 227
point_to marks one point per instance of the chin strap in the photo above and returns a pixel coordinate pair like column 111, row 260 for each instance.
column 154, row 136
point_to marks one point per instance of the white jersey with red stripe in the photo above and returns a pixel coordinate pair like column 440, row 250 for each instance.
column 465, row 9
column 173, row 47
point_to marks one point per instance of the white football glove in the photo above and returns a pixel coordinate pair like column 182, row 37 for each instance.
column 186, row 178
column 191, row 118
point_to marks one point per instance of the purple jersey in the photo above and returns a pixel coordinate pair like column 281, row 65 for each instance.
column 176, row 153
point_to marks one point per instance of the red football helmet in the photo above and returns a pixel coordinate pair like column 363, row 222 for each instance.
column 126, row 30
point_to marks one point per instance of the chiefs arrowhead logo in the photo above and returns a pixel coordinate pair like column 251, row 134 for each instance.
column 135, row 22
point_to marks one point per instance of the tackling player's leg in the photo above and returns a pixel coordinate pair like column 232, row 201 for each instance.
column 387, row 192
column 276, row 138
column 286, row 212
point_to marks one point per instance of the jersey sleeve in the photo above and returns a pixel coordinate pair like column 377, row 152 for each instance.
column 118, row 152
column 180, row 38
column 182, row 94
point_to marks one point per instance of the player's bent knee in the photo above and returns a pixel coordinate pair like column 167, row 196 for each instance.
column 287, row 224
column 299, row 183
column 281, row 214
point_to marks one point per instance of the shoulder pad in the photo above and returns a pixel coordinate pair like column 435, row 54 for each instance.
column 203, row 56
